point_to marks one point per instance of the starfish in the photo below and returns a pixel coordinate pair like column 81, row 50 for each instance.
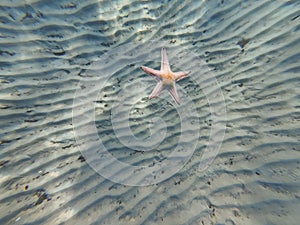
column 165, row 77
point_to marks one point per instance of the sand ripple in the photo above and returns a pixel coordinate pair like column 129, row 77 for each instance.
column 252, row 48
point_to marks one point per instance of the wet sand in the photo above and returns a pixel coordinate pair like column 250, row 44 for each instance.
column 252, row 49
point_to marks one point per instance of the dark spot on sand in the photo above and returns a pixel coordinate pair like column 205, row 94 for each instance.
column 296, row 17
column 42, row 195
column 6, row 53
column 31, row 120
column 67, row 146
column 242, row 43
column 3, row 162
column 81, row 158
column 4, row 141
column 59, row 52
column 70, row 5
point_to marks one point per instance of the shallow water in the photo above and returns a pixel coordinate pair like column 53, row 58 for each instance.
column 55, row 53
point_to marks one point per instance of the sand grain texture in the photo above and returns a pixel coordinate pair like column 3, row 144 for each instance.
column 253, row 49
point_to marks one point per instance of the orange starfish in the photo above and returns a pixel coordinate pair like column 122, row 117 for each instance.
column 165, row 77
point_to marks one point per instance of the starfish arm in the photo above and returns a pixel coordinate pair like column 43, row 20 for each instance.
column 150, row 71
column 165, row 66
column 180, row 75
column 158, row 88
column 174, row 94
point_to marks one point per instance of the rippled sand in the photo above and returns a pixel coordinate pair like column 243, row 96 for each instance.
column 252, row 48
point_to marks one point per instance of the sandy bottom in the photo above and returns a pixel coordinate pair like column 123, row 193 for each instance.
column 252, row 49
